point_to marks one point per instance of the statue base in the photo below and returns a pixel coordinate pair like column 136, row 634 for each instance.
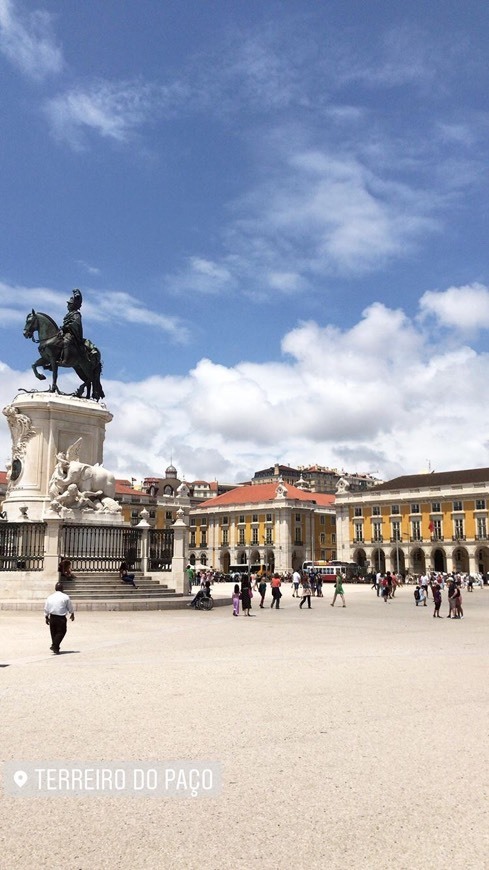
column 43, row 425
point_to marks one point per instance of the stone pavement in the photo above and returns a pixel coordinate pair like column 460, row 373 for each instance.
column 349, row 738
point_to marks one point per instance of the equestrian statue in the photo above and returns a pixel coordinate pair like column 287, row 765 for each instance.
column 67, row 348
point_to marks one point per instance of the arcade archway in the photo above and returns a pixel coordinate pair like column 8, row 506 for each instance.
column 482, row 559
column 378, row 559
column 460, row 560
column 360, row 558
column 418, row 561
column 439, row 560
column 398, row 561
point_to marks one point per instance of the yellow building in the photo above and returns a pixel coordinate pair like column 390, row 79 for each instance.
column 418, row 523
column 162, row 510
column 273, row 526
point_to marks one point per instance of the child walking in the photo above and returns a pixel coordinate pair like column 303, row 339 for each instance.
column 236, row 597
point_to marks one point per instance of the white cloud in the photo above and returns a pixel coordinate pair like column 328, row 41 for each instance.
column 368, row 395
column 113, row 110
column 463, row 308
column 92, row 270
column 100, row 305
column 28, row 41
column 202, row 276
column 319, row 213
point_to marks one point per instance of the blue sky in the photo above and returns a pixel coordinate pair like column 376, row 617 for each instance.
column 277, row 215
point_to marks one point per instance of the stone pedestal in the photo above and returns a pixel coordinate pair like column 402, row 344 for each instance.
column 43, row 425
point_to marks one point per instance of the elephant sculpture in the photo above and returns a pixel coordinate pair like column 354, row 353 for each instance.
column 90, row 479
column 78, row 485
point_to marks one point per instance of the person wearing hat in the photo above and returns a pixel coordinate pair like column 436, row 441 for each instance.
column 72, row 329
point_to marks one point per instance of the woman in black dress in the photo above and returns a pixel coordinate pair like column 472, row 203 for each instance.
column 245, row 595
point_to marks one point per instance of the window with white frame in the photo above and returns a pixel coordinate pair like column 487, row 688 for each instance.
column 437, row 530
column 458, row 528
column 415, row 508
column 377, row 532
column 241, row 536
column 396, row 530
column 254, row 536
column 480, row 504
column 435, row 507
column 358, row 531
column 395, row 509
column 225, row 537
column 457, row 505
column 481, row 527
column 376, row 510
column 269, row 536
column 416, row 530
column 357, row 512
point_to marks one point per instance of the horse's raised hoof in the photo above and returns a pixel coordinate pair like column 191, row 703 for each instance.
column 40, row 376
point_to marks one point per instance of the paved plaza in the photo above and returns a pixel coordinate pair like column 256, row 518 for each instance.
column 349, row 738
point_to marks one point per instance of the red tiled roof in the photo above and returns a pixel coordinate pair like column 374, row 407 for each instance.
column 122, row 488
column 260, row 492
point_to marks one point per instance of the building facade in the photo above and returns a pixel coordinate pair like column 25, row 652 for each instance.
column 418, row 523
column 273, row 526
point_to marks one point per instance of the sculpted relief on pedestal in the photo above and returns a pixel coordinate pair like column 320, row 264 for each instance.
column 21, row 430
column 79, row 486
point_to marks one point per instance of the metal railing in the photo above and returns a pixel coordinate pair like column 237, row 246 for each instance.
column 22, row 546
column 160, row 549
column 91, row 549
column 101, row 548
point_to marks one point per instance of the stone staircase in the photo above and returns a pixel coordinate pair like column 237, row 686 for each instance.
column 108, row 585
column 98, row 591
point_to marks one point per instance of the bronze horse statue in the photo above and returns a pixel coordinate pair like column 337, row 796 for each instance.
column 84, row 359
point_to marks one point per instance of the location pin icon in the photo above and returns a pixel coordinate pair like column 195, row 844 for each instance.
column 20, row 778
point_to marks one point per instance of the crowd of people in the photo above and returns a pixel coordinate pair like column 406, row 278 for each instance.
column 306, row 585
column 431, row 584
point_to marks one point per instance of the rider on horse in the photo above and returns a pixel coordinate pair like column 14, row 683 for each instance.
column 72, row 329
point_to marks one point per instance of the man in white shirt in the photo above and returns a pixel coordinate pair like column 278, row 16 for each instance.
column 424, row 583
column 296, row 579
column 55, row 609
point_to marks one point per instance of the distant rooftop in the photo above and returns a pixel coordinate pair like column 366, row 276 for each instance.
column 435, row 478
